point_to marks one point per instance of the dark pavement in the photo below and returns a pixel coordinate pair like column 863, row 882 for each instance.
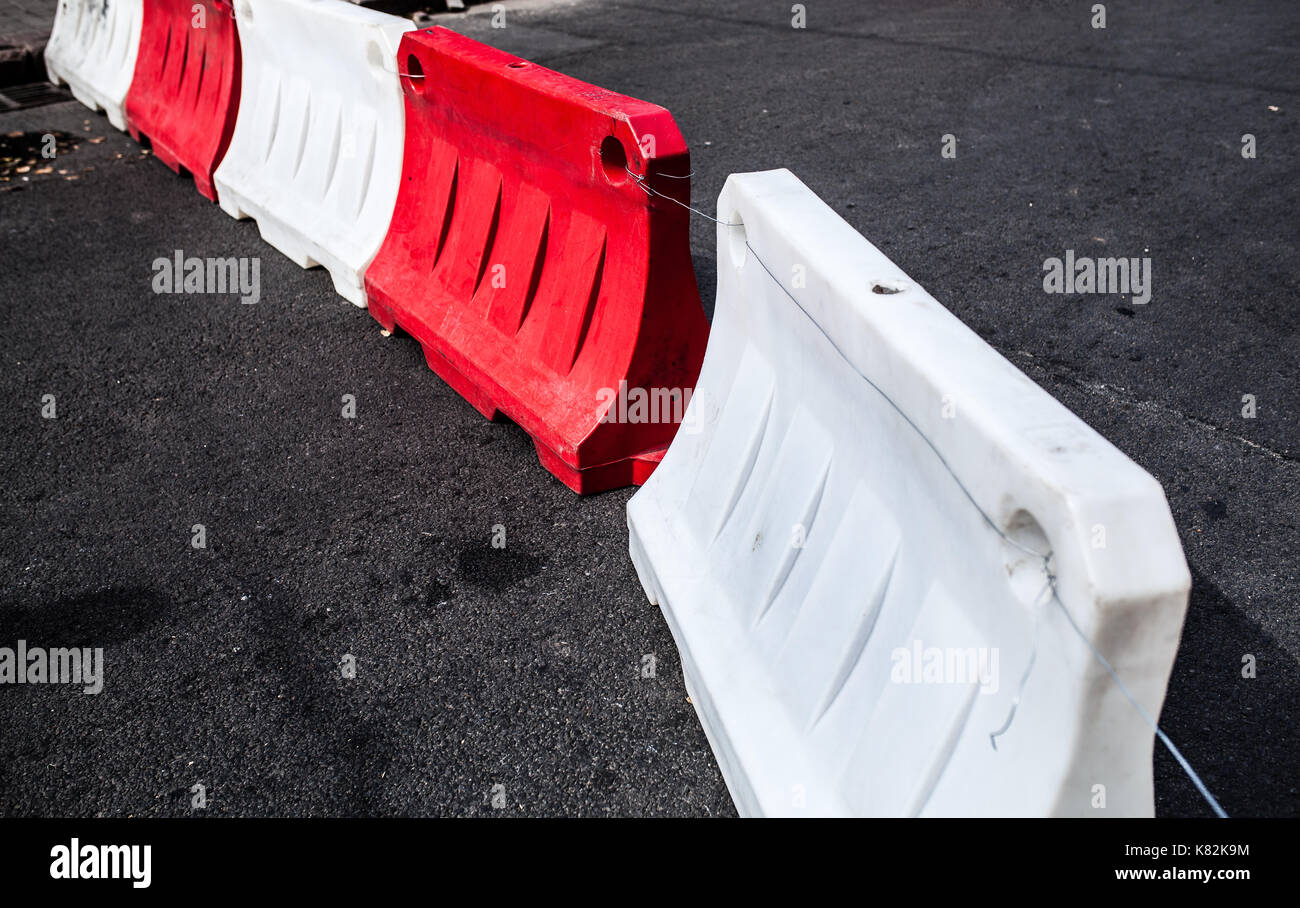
column 522, row 666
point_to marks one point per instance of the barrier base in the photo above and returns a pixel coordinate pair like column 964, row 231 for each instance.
column 163, row 153
column 634, row 470
column 631, row 471
column 276, row 233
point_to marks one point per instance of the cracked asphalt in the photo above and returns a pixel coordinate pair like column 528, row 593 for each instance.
column 522, row 667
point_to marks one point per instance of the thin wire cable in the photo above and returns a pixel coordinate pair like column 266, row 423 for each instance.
column 1045, row 557
column 899, row 410
column 1033, row 657
column 1164, row 738
column 650, row 190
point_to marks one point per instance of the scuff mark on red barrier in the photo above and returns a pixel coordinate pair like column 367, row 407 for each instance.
column 185, row 92
column 536, row 272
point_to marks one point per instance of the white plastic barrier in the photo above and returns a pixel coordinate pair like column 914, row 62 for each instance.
column 842, row 540
column 92, row 50
column 316, row 156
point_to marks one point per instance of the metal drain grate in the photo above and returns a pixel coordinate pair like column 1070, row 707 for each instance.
column 34, row 94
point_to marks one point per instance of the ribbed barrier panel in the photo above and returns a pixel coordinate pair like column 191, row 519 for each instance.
column 539, row 253
column 185, row 94
column 881, row 531
column 317, row 149
column 92, row 50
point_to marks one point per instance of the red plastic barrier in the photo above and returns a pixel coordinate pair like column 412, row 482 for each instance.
column 185, row 92
column 535, row 271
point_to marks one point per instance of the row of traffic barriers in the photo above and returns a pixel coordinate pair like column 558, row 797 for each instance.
column 903, row 580
column 528, row 229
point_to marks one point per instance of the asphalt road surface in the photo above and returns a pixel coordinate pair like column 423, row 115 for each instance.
column 522, row 667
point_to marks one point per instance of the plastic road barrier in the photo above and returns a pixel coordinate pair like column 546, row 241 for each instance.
column 317, row 149
column 185, row 94
column 875, row 552
column 539, row 254
column 92, row 50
